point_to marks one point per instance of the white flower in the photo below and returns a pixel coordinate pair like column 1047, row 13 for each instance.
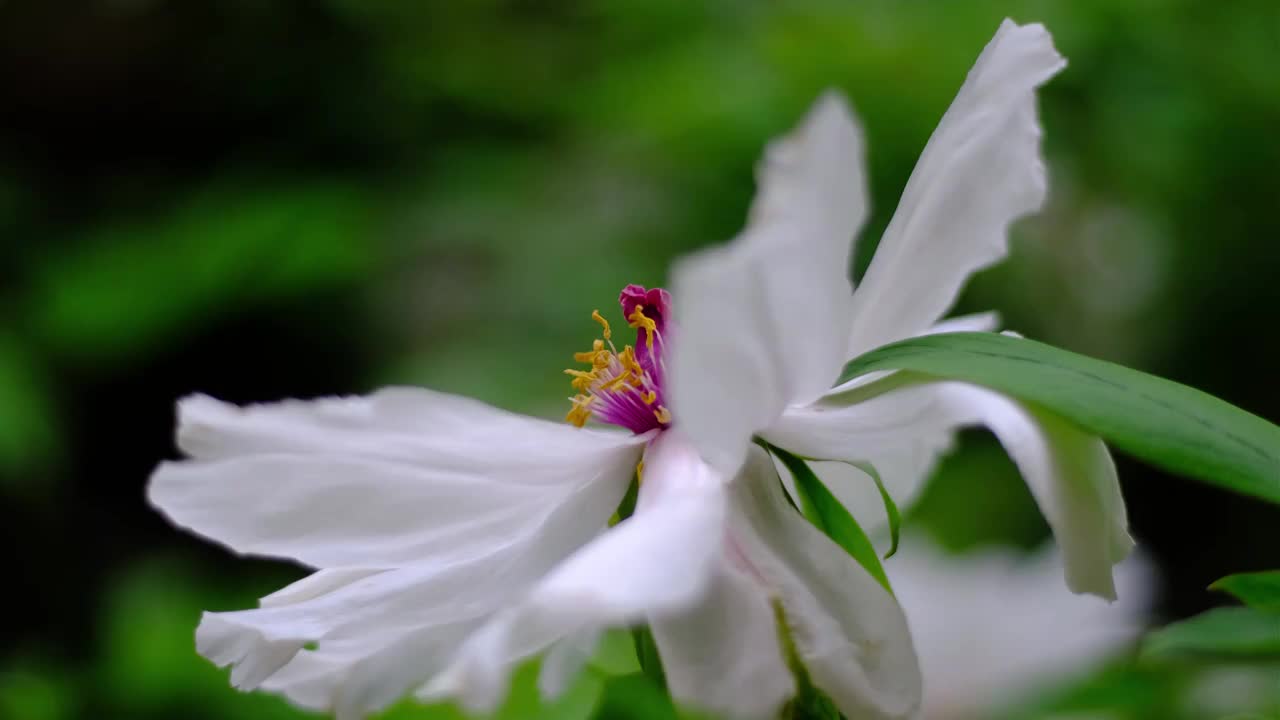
column 452, row 540
column 795, row 323
column 1003, row 627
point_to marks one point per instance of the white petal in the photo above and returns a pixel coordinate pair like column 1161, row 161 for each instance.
column 565, row 660
column 1071, row 476
column 354, row 625
column 902, row 434
column 979, row 172
column 724, row 656
column 358, row 674
column 1068, row 471
column 848, row 631
column 1013, row 608
column 414, row 425
column 398, row 477
column 658, row 562
column 878, row 422
column 762, row 320
column 903, row 468
column 321, row 582
column 975, row 322
column 380, row 632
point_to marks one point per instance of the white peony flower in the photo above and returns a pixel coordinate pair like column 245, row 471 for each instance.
column 1003, row 627
column 452, row 539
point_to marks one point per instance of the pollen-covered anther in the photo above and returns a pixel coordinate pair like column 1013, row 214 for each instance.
column 608, row 332
column 582, row 380
column 662, row 415
column 637, row 319
column 581, row 410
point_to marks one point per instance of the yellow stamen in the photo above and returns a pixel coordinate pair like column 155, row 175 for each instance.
column 638, row 320
column 615, row 383
column 582, row 380
column 608, row 333
column 581, row 410
column 613, row 372
column 592, row 355
column 640, row 472
column 629, row 363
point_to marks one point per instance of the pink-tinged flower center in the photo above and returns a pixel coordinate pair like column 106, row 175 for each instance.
column 624, row 387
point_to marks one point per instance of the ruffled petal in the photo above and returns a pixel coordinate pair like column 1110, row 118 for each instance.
column 724, row 656
column 979, row 172
column 364, row 622
column 848, row 631
column 1070, row 474
column 381, row 481
column 761, row 320
column 377, row 633
column 658, row 562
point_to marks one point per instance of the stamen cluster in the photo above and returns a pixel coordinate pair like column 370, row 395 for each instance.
column 624, row 387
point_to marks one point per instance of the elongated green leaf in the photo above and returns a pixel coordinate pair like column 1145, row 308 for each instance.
column 890, row 507
column 1230, row 632
column 1162, row 422
column 828, row 515
column 1259, row 590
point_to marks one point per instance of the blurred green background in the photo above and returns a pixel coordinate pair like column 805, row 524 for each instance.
column 261, row 199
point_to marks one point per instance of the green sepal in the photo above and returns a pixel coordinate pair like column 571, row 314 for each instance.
column 890, row 507
column 628, row 504
column 827, row 514
column 647, row 654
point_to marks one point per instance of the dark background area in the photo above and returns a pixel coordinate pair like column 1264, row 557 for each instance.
column 291, row 199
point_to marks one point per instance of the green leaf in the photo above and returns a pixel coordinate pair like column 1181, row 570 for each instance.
column 828, row 515
column 1259, row 590
column 1162, row 422
column 1229, row 632
column 890, row 507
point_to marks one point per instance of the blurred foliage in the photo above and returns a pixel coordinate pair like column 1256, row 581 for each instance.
column 1259, row 590
column 296, row 198
column 1239, row 632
